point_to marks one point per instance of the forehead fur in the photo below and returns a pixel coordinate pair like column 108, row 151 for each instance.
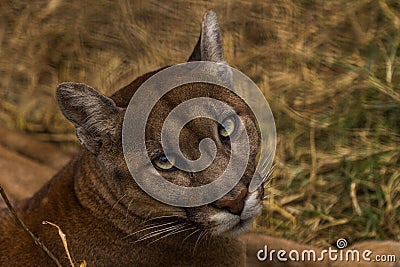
column 198, row 128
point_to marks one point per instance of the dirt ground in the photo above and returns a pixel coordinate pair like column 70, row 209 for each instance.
column 26, row 164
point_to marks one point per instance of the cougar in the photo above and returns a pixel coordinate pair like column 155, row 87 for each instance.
column 109, row 220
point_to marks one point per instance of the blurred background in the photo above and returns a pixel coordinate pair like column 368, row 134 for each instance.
column 329, row 69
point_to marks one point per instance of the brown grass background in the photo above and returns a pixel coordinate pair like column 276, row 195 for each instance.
column 329, row 69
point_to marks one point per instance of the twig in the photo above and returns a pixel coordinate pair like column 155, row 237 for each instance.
column 65, row 244
column 22, row 224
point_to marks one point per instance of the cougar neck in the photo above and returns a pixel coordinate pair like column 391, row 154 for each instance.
column 102, row 194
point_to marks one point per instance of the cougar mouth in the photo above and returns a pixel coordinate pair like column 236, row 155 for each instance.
column 227, row 223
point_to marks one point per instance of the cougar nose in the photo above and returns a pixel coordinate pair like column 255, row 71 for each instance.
column 235, row 206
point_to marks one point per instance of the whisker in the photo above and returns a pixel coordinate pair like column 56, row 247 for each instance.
column 266, row 183
column 268, row 176
column 271, row 170
column 198, row 240
column 158, row 232
column 166, row 211
column 202, row 236
column 191, row 234
column 264, row 173
column 163, row 217
column 127, row 210
column 269, row 156
column 147, row 219
column 262, row 170
column 177, row 231
column 266, row 161
column 116, row 203
column 148, row 228
column 207, row 237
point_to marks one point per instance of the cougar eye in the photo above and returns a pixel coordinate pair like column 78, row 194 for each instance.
column 163, row 163
column 228, row 127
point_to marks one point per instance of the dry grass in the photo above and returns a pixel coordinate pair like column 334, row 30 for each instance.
column 330, row 70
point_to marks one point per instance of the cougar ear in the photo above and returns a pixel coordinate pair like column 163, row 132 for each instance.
column 209, row 45
column 92, row 113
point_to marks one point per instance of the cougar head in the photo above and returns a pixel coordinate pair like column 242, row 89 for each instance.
column 98, row 121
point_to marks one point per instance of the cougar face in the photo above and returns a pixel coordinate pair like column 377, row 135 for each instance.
column 232, row 213
column 98, row 121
